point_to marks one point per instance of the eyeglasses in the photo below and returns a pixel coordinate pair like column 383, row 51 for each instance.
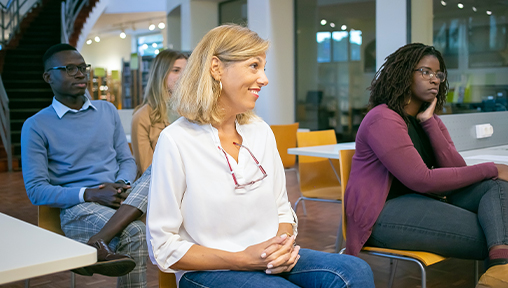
column 238, row 186
column 427, row 74
column 72, row 69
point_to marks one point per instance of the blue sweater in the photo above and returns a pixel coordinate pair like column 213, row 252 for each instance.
column 83, row 149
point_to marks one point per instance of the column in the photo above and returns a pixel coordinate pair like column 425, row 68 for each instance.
column 274, row 20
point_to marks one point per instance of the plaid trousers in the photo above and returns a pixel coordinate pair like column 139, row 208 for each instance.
column 84, row 220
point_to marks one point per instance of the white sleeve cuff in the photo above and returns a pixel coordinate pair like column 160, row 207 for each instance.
column 82, row 194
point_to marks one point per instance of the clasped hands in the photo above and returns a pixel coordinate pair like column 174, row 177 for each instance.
column 108, row 194
column 274, row 256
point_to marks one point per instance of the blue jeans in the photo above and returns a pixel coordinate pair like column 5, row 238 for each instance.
column 314, row 269
column 474, row 219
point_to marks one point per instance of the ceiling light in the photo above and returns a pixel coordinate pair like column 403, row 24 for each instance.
column 443, row 3
column 489, row 12
column 156, row 51
column 161, row 25
column 144, row 46
column 323, row 22
column 89, row 41
column 123, row 35
column 474, row 9
column 332, row 25
column 460, row 5
column 151, row 27
column 343, row 27
column 97, row 39
column 154, row 45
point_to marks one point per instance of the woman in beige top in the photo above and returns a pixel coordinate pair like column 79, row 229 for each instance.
column 151, row 117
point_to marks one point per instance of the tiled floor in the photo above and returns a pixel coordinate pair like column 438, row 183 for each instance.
column 317, row 231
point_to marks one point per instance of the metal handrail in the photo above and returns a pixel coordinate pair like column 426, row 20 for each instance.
column 5, row 124
column 70, row 11
column 11, row 16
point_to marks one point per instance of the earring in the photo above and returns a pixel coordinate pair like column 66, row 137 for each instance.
column 409, row 100
column 220, row 86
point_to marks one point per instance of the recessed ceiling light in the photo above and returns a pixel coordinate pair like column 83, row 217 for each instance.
column 343, row 27
column 323, row 22
column 161, row 25
column 97, row 39
column 489, row 12
column 474, row 9
column 443, row 3
column 460, row 5
column 89, row 41
column 151, row 27
column 123, row 35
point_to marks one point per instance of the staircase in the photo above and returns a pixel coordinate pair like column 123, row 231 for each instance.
column 22, row 69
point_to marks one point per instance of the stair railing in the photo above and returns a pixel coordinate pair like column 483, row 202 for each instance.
column 70, row 11
column 11, row 16
column 5, row 124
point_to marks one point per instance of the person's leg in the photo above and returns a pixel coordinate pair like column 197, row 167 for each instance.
column 321, row 269
column 233, row 279
column 131, row 209
column 417, row 222
column 132, row 242
column 82, row 221
column 489, row 200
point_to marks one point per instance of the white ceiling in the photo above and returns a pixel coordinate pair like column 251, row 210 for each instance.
column 131, row 16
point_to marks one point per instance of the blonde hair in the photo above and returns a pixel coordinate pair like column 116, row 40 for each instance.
column 157, row 93
column 197, row 93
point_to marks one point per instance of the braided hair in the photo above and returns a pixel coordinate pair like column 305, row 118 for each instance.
column 393, row 80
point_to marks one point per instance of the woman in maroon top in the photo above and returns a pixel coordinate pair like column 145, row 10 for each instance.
column 409, row 187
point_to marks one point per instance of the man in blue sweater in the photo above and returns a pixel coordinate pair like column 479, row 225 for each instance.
column 75, row 157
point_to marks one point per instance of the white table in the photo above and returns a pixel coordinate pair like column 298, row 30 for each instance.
column 27, row 251
column 496, row 154
column 324, row 151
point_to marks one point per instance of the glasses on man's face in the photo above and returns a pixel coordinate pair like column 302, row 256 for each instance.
column 240, row 186
column 428, row 74
column 72, row 69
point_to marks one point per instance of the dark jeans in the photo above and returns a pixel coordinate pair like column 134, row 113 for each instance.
column 474, row 219
column 314, row 269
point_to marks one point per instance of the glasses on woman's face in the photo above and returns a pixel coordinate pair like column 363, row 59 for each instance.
column 428, row 74
column 240, row 186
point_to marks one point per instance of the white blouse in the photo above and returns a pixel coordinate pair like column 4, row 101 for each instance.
column 193, row 200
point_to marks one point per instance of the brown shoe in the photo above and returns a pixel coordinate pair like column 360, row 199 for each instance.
column 495, row 277
column 108, row 263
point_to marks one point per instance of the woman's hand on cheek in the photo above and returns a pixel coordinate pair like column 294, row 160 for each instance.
column 427, row 113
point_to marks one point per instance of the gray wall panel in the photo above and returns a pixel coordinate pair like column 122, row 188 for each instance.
column 462, row 129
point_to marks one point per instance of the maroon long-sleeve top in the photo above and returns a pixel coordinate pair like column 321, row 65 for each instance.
column 384, row 150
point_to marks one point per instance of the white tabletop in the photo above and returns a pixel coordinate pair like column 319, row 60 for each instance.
column 325, row 151
column 27, row 251
column 496, row 154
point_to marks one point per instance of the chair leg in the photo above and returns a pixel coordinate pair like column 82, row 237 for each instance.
column 476, row 271
column 73, row 280
column 303, row 205
column 27, row 283
column 393, row 270
column 339, row 240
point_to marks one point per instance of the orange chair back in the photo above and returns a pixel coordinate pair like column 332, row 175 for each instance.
column 285, row 135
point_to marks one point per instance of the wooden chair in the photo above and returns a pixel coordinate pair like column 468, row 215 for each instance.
column 49, row 218
column 167, row 280
column 285, row 135
column 422, row 259
column 317, row 176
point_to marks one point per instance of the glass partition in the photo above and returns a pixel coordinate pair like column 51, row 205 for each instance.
column 335, row 63
column 473, row 39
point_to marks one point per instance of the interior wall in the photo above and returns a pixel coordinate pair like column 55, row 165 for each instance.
column 108, row 53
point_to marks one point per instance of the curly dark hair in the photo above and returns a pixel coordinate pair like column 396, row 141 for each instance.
column 393, row 80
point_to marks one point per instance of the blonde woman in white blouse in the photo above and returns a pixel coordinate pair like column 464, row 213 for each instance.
column 218, row 212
